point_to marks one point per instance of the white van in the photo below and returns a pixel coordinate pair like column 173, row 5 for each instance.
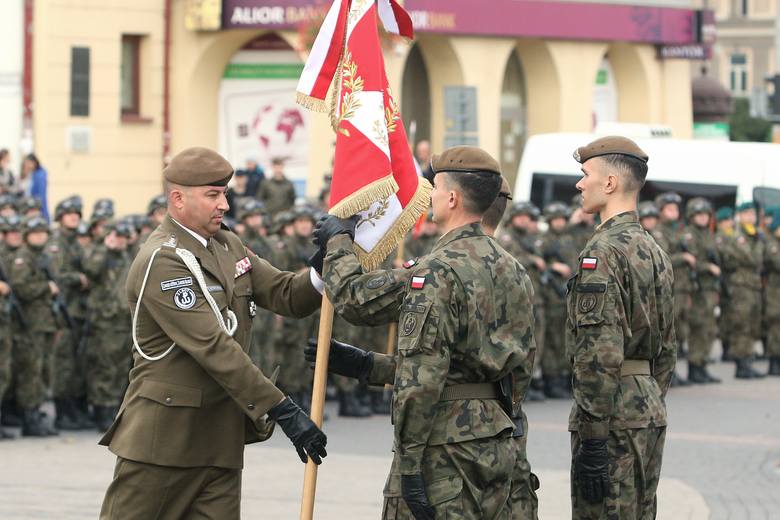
column 724, row 172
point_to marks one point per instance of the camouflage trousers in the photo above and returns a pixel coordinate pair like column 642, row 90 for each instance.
column 6, row 346
column 70, row 382
column 522, row 497
column 31, row 366
column 682, row 307
column 553, row 356
column 773, row 321
column 261, row 349
column 109, row 359
column 634, row 470
column 702, row 326
column 295, row 374
column 745, row 320
column 466, row 480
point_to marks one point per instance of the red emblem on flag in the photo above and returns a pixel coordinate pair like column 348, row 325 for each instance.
column 589, row 263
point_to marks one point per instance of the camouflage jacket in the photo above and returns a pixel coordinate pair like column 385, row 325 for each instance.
column 524, row 246
column 466, row 316
column 416, row 247
column 558, row 246
column 772, row 267
column 107, row 271
column 743, row 258
column 700, row 242
column 67, row 254
column 673, row 236
column 32, row 288
column 620, row 307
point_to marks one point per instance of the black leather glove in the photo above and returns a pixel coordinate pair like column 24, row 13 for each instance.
column 316, row 260
column 344, row 360
column 591, row 470
column 413, row 491
column 307, row 438
column 329, row 226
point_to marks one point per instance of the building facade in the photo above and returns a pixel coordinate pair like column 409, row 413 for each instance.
column 121, row 86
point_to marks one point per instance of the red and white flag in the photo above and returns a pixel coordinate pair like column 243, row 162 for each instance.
column 374, row 174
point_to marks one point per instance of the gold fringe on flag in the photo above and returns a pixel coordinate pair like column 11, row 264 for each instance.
column 365, row 196
column 311, row 103
column 418, row 204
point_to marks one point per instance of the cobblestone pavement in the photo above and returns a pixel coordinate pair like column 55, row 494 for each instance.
column 722, row 462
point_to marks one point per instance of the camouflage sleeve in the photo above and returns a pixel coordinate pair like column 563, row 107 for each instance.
column 598, row 336
column 95, row 264
column 67, row 276
column 666, row 359
column 24, row 283
column 383, row 371
column 429, row 317
column 361, row 298
column 524, row 372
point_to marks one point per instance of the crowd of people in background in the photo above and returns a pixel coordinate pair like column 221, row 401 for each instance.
column 65, row 330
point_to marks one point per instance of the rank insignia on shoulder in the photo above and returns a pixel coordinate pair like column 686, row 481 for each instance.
column 418, row 282
column 410, row 263
column 243, row 266
column 589, row 263
column 176, row 283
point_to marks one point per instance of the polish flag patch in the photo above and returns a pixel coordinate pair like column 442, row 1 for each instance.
column 243, row 266
column 418, row 282
column 410, row 263
column 589, row 262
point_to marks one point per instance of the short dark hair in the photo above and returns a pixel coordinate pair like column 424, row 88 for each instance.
column 479, row 189
column 635, row 170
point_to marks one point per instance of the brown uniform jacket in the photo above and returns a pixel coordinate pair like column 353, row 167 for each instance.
column 202, row 402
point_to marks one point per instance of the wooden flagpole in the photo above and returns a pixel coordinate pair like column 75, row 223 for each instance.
column 318, row 401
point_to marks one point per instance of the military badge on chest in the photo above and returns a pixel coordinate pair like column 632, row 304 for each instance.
column 243, row 266
column 184, row 298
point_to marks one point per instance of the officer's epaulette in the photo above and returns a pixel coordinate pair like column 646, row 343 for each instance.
column 171, row 242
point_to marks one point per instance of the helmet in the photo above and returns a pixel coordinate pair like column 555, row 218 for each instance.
column 556, row 210
column 103, row 206
column 82, row 230
column 101, row 214
column 251, row 207
column 576, row 201
column 123, row 228
column 697, row 205
column 8, row 201
column 36, row 223
column 302, row 212
column 524, row 208
column 28, row 203
column 669, row 197
column 160, row 201
column 12, row 223
column 72, row 204
column 648, row 209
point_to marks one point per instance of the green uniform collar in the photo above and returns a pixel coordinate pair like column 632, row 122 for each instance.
column 473, row 229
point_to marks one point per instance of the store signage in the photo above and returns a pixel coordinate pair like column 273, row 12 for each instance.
column 528, row 18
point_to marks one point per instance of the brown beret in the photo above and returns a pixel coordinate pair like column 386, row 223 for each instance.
column 612, row 144
column 465, row 159
column 198, row 167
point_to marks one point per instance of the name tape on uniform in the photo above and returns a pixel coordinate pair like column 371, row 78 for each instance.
column 243, row 266
column 418, row 282
column 589, row 262
column 176, row 283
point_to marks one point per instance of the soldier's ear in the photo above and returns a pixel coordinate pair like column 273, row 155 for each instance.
column 612, row 183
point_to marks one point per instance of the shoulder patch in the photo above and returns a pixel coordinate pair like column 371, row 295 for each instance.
column 184, row 298
column 589, row 263
column 418, row 282
column 175, row 283
column 376, row 282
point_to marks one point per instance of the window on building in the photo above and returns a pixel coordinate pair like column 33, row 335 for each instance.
column 739, row 74
column 130, row 72
column 79, row 81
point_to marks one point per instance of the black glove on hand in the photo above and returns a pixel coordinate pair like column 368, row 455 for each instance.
column 316, row 260
column 329, row 226
column 413, row 491
column 591, row 470
column 307, row 438
column 344, row 360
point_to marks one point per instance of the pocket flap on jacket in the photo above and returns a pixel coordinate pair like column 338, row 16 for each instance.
column 171, row 395
column 444, row 489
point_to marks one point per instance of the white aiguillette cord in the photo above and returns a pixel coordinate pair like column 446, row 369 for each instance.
column 192, row 264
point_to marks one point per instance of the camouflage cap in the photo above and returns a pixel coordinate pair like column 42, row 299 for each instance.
column 198, row 166
column 697, row 205
column 157, row 202
column 609, row 145
column 724, row 213
column 465, row 159
column 669, row 197
column 36, row 223
column 524, row 208
column 648, row 209
column 556, row 209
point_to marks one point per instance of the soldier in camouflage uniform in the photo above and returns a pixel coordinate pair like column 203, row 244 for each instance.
column 5, row 333
column 700, row 242
column 743, row 258
column 521, row 240
column 422, row 244
column 458, row 339
column 648, row 219
column 581, row 224
column 13, row 240
column 560, row 251
column 109, row 344
column 772, row 311
column 70, row 385
column 724, row 219
column 33, row 346
column 684, row 263
column 621, row 343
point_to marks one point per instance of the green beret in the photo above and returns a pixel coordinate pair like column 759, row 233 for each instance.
column 724, row 213
column 198, row 167
column 612, row 144
column 465, row 159
column 746, row 206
